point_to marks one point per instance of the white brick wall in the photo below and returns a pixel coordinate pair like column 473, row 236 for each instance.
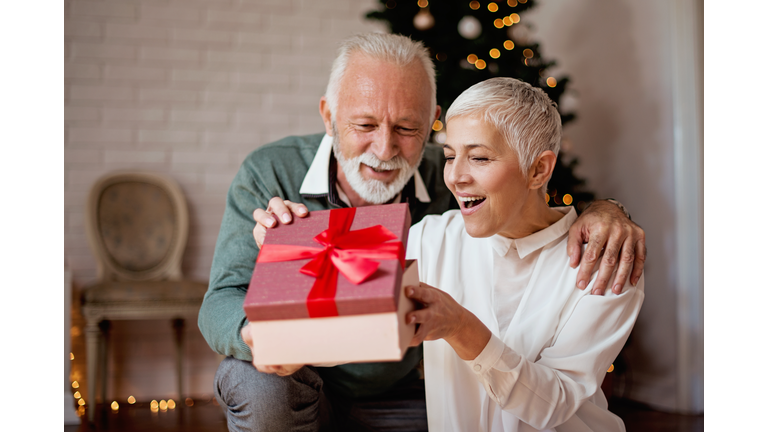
column 187, row 88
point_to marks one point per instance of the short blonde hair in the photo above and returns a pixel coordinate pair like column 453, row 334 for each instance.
column 523, row 114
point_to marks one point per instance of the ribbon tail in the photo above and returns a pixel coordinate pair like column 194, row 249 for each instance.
column 321, row 301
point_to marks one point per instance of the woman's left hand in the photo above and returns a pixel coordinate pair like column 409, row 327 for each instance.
column 443, row 318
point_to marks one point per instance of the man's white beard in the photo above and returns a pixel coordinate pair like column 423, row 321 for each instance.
column 374, row 191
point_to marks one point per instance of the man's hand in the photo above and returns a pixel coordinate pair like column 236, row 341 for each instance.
column 604, row 225
column 281, row 370
column 276, row 210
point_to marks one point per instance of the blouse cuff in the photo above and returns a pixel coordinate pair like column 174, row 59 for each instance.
column 488, row 356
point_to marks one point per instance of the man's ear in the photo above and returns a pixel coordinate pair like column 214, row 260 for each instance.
column 438, row 111
column 325, row 113
column 542, row 169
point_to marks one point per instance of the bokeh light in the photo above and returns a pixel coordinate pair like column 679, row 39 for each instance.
column 493, row 7
column 391, row 4
column 131, row 400
column 515, row 18
column 153, row 404
column 498, row 23
column 472, row 58
column 567, row 199
column 512, row 3
column 115, row 406
column 75, row 384
column 77, row 395
column 437, row 125
column 171, row 404
column 507, row 21
column 81, row 402
column 528, row 53
column 551, row 81
column 480, row 64
column 508, row 44
column 495, row 53
column 547, row 198
column 71, row 356
column 423, row 3
column 189, row 402
column 474, row 5
column 163, row 405
column 610, row 369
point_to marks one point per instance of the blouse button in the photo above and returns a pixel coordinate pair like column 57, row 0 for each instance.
column 477, row 368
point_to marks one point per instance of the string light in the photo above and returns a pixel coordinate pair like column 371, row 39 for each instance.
column 567, row 199
column 507, row 21
column 437, row 125
column 131, row 400
column 547, row 197
column 441, row 56
column 474, row 5
column 493, row 7
column 551, row 81
column 163, row 405
column 77, row 395
column 523, row 1
column 528, row 53
column 71, row 356
column 75, row 384
column 498, row 23
column 81, row 402
column 512, row 3
column 508, row 45
column 423, row 3
column 495, row 53
column 153, row 405
column 189, row 402
column 515, row 18
column 472, row 58
column 171, row 404
column 115, row 406
column 81, row 411
column 610, row 369
column 480, row 64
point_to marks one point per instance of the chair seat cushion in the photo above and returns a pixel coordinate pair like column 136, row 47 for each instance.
column 157, row 291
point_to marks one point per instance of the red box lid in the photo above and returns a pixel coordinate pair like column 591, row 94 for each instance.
column 279, row 291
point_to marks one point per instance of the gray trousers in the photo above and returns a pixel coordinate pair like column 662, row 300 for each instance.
column 254, row 401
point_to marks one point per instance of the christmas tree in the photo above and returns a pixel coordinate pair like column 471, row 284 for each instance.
column 471, row 41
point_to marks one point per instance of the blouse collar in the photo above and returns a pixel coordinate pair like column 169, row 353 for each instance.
column 526, row 245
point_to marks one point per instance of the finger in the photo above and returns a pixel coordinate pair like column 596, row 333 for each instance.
column 609, row 261
column 259, row 233
column 298, row 209
column 263, row 218
column 278, row 207
column 589, row 259
column 625, row 265
column 246, row 335
column 266, row 369
column 421, row 294
column 575, row 240
column 640, row 255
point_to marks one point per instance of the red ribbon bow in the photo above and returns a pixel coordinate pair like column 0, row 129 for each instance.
column 345, row 251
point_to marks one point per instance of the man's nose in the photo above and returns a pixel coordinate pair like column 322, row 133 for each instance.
column 385, row 145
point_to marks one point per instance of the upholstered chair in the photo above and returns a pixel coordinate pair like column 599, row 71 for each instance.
column 137, row 227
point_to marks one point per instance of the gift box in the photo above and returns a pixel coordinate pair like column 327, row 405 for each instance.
column 328, row 288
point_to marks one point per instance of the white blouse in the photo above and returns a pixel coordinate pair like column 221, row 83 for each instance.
column 551, row 343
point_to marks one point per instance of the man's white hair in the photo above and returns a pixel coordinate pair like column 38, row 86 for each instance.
column 391, row 48
column 524, row 115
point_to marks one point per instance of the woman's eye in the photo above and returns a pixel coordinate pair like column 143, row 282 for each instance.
column 480, row 159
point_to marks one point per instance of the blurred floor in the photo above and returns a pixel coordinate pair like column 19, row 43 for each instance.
column 208, row 416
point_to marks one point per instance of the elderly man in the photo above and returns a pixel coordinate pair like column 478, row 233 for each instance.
column 378, row 110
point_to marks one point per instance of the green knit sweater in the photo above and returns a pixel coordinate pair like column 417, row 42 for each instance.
column 278, row 169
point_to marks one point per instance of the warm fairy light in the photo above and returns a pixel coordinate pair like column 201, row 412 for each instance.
column 472, row 58
column 163, row 405
column 610, row 369
column 115, row 406
column 480, row 64
column 189, row 402
column 547, row 196
column 441, row 56
column 567, row 199
column 437, row 125
column 508, row 44
column 528, row 53
column 551, row 81
column 474, row 5
column 493, row 7
column 81, row 402
column 171, row 404
column 512, row 3
column 495, row 53
column 498, row 23
column 81, row 411
column 423, row 3
column 507, row 21
column 131, row 400
column 75, row 384
column 515, row 18
column 71, row 356
column 523, row 1
column 153, row 404
column 77, row 395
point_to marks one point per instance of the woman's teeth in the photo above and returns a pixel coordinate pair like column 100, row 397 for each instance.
column 470, row 202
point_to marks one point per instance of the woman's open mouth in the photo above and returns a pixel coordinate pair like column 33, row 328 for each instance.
column 469, row 202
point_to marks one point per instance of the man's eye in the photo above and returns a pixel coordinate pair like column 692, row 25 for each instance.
column 449, row 158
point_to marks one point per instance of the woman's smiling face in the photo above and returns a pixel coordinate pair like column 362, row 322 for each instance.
column 484, row 175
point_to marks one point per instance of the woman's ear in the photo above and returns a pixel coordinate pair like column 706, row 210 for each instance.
column 542, row 169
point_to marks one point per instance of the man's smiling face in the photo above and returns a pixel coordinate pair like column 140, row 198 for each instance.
column 381, row 125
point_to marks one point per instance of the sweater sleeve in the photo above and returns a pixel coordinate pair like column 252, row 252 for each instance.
column 547, row 392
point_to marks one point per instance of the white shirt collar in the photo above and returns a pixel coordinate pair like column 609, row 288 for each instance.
column 316, row 180
column 537, row 240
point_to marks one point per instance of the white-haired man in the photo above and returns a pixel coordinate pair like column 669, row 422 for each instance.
column 378, row 110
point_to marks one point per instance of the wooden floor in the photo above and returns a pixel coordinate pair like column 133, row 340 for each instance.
column 207, row 416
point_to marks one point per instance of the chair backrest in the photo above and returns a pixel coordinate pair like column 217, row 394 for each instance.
column 137, row 226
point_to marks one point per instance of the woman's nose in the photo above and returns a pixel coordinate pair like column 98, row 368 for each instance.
column 457, row 172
